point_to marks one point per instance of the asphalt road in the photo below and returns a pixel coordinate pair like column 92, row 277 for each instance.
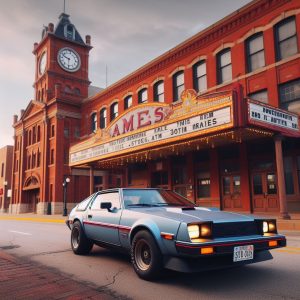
column 49, row 245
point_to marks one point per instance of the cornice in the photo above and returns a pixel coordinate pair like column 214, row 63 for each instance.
column 249, row 13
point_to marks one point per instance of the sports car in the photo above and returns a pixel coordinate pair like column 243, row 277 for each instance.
column 161, row 229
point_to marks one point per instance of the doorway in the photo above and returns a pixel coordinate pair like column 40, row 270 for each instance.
column 264, row 192
column 231, row 192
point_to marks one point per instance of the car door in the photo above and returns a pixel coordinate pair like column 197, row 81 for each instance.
column 103, row 224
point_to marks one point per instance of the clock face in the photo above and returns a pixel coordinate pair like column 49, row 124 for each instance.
column 68, row 59
column 42, row 63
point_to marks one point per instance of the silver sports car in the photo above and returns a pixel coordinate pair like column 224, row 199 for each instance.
column 161, row 229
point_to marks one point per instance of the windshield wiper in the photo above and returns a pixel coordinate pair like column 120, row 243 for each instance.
column 141, row 204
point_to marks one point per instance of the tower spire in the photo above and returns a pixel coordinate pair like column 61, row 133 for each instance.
column 64, row 6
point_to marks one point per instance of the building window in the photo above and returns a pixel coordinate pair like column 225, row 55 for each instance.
column 29, row 138
column 255, row 52
column 38, row 133
column 93, row 122
column 103, row 118
column 33, row 160
column 203, row 187
column 224, row 67
column 178, row 85
column 159, row 91
column 34, row 135
column 143, row 96
column 77, row 91
column 69, row 32
column 38, row 163
column 199, row 76
column 77, row 132
column 52, row 156
column 114, row 111
column 286, row 38
column 261, row 96
column 66, row 131
column 289, row 94
column 288, row 174
column 52, row 130
column 2, row 169
column 29, row 162
column 127, row 102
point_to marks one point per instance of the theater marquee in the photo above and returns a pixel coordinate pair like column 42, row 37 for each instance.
column 264, row 115
column 156, row 124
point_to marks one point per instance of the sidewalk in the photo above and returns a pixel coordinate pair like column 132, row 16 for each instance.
column 293, row 224
column 21, row 279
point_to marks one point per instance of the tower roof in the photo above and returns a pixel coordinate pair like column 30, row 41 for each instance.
column 66, row 30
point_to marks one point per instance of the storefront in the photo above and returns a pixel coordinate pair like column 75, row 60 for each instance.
column 219, row 150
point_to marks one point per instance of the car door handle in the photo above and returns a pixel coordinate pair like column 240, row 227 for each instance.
column 90, row 216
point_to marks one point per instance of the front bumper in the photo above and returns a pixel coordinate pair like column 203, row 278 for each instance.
column 190, row 259
column 227, row 247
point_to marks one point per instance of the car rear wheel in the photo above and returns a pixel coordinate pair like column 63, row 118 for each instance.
column 80, row 243
column 146, row 257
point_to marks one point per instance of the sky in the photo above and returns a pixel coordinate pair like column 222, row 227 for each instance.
column 126, row 34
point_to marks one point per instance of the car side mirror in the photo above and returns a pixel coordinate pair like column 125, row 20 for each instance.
column 106, row 205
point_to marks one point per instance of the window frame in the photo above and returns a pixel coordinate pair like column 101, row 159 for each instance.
column 103, row 118
column 140, row 95
column 176, row 88
column 196, row 80
column 279, row 55
column 114, row 114
column 220, row 79
column 156, row 94
column 126, row 106
column 250, row 55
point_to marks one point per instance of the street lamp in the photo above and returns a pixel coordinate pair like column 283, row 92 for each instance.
column 65, row 185
column 5, row 183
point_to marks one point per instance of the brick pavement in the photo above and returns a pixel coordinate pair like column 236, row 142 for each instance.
column 22, row 279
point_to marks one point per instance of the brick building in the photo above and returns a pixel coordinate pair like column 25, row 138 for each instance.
column 216, row 118
column 6, row 156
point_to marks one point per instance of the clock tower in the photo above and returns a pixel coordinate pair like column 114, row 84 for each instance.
column 61, row 62
column 52, row 121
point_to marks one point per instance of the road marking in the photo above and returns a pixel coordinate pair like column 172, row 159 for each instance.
column 20, row 232
column 32, row 219
column 290, row 250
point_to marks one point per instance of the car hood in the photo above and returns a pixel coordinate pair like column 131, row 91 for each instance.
column 196, row 214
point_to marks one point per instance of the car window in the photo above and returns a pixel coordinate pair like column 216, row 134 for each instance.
column 106, row 197
column 83, row 205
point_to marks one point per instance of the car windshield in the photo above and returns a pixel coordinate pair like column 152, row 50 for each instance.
column 150, row 198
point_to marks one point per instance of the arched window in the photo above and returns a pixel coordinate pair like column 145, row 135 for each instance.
column 127, row 102
column 159, row 91
column 286, row 38
column 93, row 122
column 114, row 111
column 224, row 67
column 143, row 96
column 255, row 52
column 103, row 118
column 77, row 91
column 199, row 76
column 178, row 85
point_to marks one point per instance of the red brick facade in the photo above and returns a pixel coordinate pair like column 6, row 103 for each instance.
column 254, row 51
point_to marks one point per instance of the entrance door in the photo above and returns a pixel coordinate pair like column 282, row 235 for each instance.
column 33, row 199
column 264, row 192
column 231, row 192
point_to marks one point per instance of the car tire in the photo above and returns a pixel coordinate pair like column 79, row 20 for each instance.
column 146, row 257
column 79, row 242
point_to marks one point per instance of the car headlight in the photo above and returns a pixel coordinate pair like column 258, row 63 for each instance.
column 269, row 226
column 202, row 230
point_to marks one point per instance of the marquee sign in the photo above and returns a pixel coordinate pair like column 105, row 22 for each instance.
column 270, row 117
column 155, row 124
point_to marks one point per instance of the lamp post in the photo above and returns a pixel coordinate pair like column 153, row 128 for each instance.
column 65, row 185
column 5, row 183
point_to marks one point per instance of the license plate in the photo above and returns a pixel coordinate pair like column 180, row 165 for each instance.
column 243, row 253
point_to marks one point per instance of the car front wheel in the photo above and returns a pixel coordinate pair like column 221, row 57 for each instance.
column 80, row 243
column 146, row 257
